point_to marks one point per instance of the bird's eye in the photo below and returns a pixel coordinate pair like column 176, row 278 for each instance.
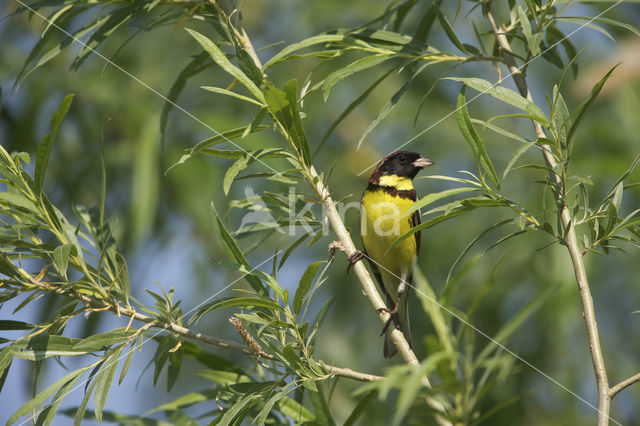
column 402, row 158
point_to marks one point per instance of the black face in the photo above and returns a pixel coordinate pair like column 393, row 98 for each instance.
column 402, row 163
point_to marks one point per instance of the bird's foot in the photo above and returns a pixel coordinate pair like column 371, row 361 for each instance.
column 393, row 318
column 356, row 257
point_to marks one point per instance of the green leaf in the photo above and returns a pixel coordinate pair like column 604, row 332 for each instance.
column 197, row 64
column 589, row 24
column 305, row 284
column 239, row 165
column 386, row 109
column 186, row 400
column 320, row 405
column 175, row 364
column 268, row 406
column 474, row 140
column 311, row 41
column 579, row 112
column 426, row 22
column 617, row 196
column 44, row 346
column 449, row 31
column 363, row 96
column 354, row 67
column 101, row 341
column 127, row 362
column 505, row 95
column 451, row 210
column 524, row 148
column 15, row 325
column 223, row 62
column 234, row 251
column 533, row 41
column 33, row 404
column 412, row 385
column 499, row 130
column 291, row 249
column 104, row 380
column 360, row 407
column 82, row 408
column 13, row 199
column 298, row 412
column 297, row 130
column 123, row 276
column 61, row 258
column 226, row 92
column 246, row 401
column 245, row 302
column 283, row 106
column 560, row 118
column 44, row 149
column 433, row 308
column 435, row 196
column 601, row 20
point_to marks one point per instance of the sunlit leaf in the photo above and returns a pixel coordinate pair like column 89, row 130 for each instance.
column 305, row 284
column 474, row 140
column 44, row 149
column 505, row 95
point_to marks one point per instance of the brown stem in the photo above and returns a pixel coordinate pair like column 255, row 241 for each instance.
column 623, row 384
column 571, row 240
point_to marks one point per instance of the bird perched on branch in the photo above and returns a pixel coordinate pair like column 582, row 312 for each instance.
column 384, row 204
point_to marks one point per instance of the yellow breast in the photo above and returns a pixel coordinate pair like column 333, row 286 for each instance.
column 383, row 220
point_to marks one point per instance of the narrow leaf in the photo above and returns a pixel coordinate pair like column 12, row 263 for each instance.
column 474, row 140
column 61, row 258
column 505, row 95
column 234, row 251
column 305, row 284
column 221, row 59
column 354, row 67
column 45, row 394
column 579, row 112
column 435, row 196
column 44, row 149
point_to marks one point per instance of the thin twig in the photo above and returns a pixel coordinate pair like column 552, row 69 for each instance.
column 623, row 384
column 571, row 240
column 93, row 304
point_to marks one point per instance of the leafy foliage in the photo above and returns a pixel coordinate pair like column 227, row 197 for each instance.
column 78, row 262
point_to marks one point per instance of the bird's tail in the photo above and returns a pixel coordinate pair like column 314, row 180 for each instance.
column 403, row 321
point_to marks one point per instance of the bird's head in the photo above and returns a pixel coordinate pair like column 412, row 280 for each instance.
column 400, row 164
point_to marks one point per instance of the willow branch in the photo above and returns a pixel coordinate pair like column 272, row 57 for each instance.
column 344, row 237
column 623, row 384
column 100, row 305
column 571, row 240
column 369, row 287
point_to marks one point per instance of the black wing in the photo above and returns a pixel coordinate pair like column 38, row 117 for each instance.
column 416, row 220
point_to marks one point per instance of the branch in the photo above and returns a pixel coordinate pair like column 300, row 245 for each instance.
column 571, row 240
column 623, row 384
column 369, row 287
column 361, row 271
column 99, row 305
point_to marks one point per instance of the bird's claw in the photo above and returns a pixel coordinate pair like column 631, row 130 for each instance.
column 354, row 258
column 393, row 317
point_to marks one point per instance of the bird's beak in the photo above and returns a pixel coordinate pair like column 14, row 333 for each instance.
column 423, row 162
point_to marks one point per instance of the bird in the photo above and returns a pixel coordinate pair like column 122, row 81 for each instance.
column 383, row 207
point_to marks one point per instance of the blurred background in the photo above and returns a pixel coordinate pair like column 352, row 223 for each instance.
column 163, row 225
